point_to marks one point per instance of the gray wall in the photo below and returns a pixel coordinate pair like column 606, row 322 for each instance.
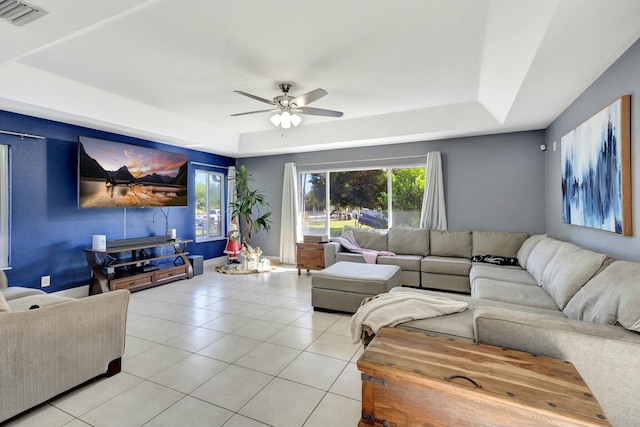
column 494, row 182
column 620, row 79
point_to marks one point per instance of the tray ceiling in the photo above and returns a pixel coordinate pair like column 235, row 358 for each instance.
column 416, row 70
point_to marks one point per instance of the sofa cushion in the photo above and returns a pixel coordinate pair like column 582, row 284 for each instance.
column 369, row 238
column 450, row 243
column 445, row 282
column 409, row 241
column 512, row 293
column 446, row 265
column 460, row 325
column 527, row 247
column 4, row 307
column 610, row 297
column 569, row 269
column 503, row 274
column 540, row 257
column 42, row 300
column 497, row 243
column 14, row 292
column 349, row 257
column 405, row 262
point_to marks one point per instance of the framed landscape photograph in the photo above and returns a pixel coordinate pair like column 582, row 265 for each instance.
column 117, row 175
column 596, row 170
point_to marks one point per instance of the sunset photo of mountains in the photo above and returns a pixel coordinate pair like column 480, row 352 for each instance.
column 117, row 175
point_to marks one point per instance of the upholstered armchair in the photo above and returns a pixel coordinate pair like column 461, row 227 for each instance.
column 57, row 344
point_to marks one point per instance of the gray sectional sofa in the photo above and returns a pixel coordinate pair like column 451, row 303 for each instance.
column 429, row 259
column 561, row 301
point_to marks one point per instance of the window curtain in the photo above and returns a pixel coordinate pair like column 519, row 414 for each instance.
column 231, row 192
column 289, row 220
column 433, row 214
column 4, row 206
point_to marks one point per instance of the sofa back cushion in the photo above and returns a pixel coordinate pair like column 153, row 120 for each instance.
column 610, row 297
column 409, row 241
column 540, row 256
column 369, row 238
column 3, row 280
column 569, row 269
column 450, row 243
column 4, row 307
column 497, row 243
column 526, row 248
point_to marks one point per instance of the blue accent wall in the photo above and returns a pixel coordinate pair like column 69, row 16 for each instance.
column 49, row 231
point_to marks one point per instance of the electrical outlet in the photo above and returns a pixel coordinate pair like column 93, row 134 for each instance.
column 45, row 281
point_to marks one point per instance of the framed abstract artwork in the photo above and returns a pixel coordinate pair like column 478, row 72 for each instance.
column 596, row 170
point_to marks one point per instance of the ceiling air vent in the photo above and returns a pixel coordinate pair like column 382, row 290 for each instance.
column 19, row 13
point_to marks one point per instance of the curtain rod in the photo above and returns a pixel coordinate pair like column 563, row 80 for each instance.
column 211, row 166
column 21, row 135
column 363, row 160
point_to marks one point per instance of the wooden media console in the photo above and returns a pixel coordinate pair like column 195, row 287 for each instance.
column 134, row 264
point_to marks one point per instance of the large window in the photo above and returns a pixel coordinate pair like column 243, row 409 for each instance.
column 373, row 198
column 209, row 205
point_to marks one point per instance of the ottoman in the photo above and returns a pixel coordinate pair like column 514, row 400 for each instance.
column 343, row 285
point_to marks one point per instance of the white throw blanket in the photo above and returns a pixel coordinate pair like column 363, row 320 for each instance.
column 393, row 308
column 348, row 241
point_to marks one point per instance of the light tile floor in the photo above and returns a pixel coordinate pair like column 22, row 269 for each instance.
column 222, row 350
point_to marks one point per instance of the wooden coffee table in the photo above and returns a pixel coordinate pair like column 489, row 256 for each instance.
column 414, row 379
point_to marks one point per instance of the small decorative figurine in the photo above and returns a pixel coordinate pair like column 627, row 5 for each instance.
column 233, row 242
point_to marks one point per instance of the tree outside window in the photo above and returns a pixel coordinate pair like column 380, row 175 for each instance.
column 209, row 219
column 373, row 198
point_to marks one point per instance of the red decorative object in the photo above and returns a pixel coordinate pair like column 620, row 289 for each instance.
column 233, row 241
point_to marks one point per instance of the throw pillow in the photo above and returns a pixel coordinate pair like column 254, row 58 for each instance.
column 495, row 260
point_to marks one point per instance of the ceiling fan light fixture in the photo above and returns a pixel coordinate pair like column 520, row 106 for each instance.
column 285, row 120
column 286, row 109
column 276, row 119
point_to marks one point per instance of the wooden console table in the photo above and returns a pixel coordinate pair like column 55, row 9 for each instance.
column 413, row 379
column 114, row 269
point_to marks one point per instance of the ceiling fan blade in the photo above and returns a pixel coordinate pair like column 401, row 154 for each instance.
column 308, row 97
column 257, row 98
column 252, row 112
column 320, row 112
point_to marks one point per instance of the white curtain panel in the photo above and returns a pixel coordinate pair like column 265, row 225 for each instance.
column 434, row 214
column 289, row 220
column 231, row 192
column 4, row 206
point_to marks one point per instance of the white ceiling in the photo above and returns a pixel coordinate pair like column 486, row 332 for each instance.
column 400, row 71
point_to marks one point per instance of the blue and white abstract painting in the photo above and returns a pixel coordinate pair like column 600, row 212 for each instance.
column 592, row 172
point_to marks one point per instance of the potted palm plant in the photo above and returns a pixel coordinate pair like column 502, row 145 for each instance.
column 247, row 201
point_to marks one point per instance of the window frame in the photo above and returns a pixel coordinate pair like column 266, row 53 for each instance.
column 327, row 172
column 5, row 207
column 222, row 218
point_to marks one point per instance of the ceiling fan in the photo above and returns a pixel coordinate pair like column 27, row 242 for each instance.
column 287, row 107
